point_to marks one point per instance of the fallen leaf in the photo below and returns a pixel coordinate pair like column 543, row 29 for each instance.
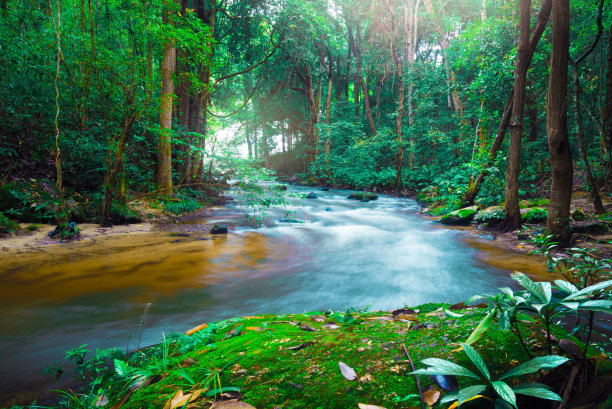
column 318, row 318
column 232, row 404
column 196, row 329
column 252, row 318
column 253, row 328
column 330, row 325
column 364, row 406
column 174, row 400
column 101, row 401
column 305, row 327
column 379, row 319
column 301, row 346
column 187, row 362
column 347, row 371
column 431, row 397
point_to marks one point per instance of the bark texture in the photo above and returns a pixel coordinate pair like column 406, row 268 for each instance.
column 557, row 223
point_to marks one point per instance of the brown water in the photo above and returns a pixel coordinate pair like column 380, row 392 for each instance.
column 346, row 253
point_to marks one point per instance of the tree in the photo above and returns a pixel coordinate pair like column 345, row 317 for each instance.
column 164, row 147
column 512, row 219
column 557, row 223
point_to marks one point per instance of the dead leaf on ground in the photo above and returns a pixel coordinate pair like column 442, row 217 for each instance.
column 305, row 327
column 347, row 371
column 330, row 325
column 379, row 319
column 364, row 406
column 318, row 318
column 252, row 318
column 431, row 397
column 196, row 329
column 187, row 362
column 254, row 329
column 232, row 404
column 301, row 346
column 174, row 400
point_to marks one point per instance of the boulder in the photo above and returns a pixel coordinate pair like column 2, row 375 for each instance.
column 280, row 188
column 363, row 196
column 534, row 215
column 218, row 229
column 312, row 195
column 460, row 217
column 325, row 189
column 490, row 216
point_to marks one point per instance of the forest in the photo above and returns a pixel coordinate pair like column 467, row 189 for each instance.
column 163, row 119
column 461, row 102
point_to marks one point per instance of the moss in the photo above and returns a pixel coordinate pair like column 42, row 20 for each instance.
column 537, row 202
column 606, row 217
column 460, row 217
column 534, row 215
column 490, row 216
column 268, row 373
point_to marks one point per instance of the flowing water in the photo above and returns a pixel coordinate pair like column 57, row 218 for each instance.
column 380, row 254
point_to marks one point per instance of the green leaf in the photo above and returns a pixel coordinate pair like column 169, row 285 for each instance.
column 121, row 368
column 541, row 290
column 505, row 391
column 222, row 390
column 439, row 366
column 482, row 327
column 566, row 286
column 537, row 390
column 590, row 289
column 450, row 397
column 534, row 365
column 469, row 392
column 477, row 360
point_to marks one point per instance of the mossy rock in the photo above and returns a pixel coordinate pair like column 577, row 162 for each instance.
column 578, row 215
column 7, row 226
column 363, row 196
column 534, row 215
column 280, row 188
column 490, row 216
column 537, row 202
column 460, row 217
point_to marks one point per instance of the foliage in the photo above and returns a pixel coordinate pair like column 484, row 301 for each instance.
column 438, row 366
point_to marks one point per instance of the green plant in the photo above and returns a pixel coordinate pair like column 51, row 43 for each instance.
column 437, row 366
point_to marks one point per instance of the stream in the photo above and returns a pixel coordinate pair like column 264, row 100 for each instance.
column 381, row 254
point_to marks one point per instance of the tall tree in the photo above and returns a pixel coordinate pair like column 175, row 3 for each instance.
column 474, row 186
column 164, row 146
column 561, row 165
column 512, row 219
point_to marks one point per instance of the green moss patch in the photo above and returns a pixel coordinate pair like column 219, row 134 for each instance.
column 460, row 217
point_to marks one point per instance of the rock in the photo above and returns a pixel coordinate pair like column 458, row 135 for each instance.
column 218, row 229
column 290, row 220
column 364, row 196
column 280, row 188
column 325, row 189
column 491, row 216
column 328, row 209
column 534, row 215
column 460, row 217
column 578, row 215
column 312, row 195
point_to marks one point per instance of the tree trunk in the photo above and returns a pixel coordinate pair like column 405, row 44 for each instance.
column 557, row 223
column 595, row 198
column 164, row 147
column 512, row 219
column 355, row 41
column 474, row 188
column 607, row 120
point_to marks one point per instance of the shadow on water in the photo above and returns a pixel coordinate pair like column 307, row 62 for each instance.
column 346, row 253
